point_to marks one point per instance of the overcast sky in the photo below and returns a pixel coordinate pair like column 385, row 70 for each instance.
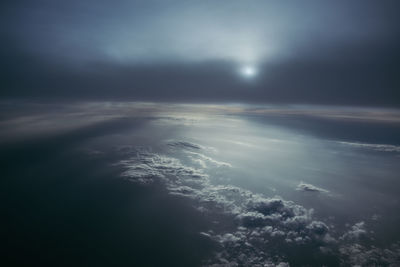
column 319, row 52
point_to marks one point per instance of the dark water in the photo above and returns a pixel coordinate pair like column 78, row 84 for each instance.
column 62, row 207
column 183, row 188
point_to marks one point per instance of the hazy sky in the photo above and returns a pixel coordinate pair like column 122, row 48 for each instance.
column 336, row 52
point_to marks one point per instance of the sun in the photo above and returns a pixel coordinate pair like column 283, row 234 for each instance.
column 248, row 71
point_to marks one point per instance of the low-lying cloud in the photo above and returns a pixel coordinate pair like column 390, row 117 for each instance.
column 262, row 230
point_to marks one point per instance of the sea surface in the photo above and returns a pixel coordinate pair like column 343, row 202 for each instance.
column 163, row 184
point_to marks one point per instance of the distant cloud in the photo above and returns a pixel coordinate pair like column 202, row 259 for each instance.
column 310, row 188
column 376, row 147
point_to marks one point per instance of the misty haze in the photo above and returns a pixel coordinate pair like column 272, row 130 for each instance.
column 200, row 133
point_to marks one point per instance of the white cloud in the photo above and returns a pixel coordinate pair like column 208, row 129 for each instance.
column 310, row 188
column 262, row 231
column 145, row 167
column 198, row 157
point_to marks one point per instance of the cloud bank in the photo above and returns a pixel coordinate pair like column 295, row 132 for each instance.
column 258, row 230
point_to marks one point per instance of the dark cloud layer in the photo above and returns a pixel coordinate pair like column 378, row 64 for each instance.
column 338, row 53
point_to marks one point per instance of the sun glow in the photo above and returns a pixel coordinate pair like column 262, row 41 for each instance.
column 248, row 71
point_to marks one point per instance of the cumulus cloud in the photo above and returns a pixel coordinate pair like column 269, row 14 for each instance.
column 146, row 167
column 257, row 218
column 357, row 230
column 355, row 252
column 262, row 231
column 360, row 255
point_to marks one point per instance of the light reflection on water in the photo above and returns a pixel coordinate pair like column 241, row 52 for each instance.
column 345, row 181
column 344, row 184
column 274, row 160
